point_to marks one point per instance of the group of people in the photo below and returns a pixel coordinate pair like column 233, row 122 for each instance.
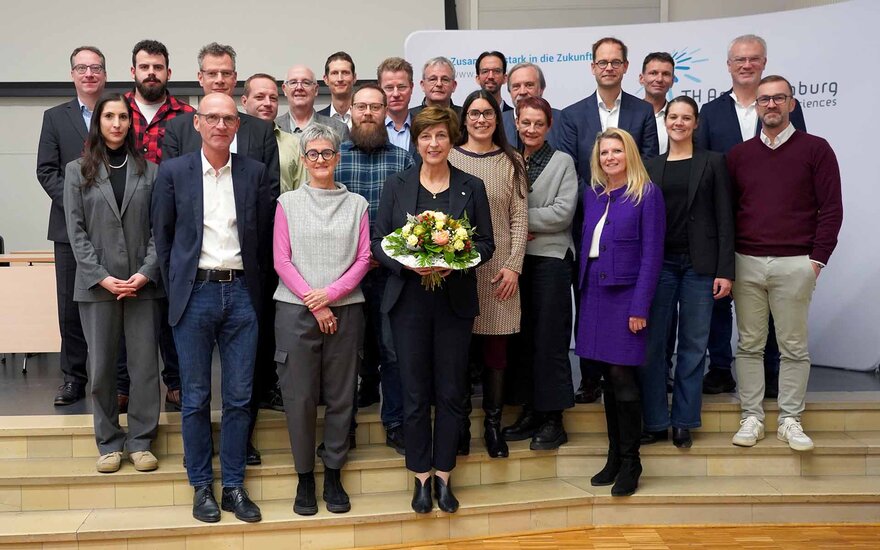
column 178, row 230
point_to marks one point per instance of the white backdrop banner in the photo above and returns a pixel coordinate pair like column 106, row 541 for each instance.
column 830, row 56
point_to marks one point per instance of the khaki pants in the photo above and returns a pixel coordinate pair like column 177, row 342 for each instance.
column 784, row 287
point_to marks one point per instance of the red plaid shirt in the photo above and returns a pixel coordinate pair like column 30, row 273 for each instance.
column 148, row 137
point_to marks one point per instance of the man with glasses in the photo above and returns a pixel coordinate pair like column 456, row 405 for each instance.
column 340, row 77
column 491, row 75
column 726, row 121
column 364, row 164
column 527, row 80
column 213, row 257
column 788, row 215
column 395, row 77
column 438, row 83
column 62, row 137
column 608, row 107
column 657, row 77
column 301, row 90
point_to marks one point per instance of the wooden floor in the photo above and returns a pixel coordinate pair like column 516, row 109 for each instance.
column 793, row 537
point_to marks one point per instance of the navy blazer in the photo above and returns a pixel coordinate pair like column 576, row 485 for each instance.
column 177, row 215
column 718, row 129
column 255, row 139
column 631, row 244
column 62, row 139
column 467, row 196
column 581, row 124
column 552, row 137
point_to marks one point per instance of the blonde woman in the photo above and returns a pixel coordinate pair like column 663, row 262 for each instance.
column 620, row 260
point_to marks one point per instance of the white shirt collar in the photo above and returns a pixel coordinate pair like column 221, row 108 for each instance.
column 334, row 113
column 780, row 139
column 208, row 169
column 739, row 103
column 616, row 101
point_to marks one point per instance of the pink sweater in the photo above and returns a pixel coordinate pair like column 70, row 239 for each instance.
column 294, row 281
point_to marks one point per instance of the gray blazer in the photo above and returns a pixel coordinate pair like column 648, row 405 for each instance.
column 283, row 122
column 107, row 241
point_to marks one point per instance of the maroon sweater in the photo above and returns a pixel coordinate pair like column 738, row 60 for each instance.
column 787, row 200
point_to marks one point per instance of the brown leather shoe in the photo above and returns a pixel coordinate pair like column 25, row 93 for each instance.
column 172, row 399
column 122, row 403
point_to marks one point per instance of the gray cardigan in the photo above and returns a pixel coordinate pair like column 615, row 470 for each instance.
column 552, row 203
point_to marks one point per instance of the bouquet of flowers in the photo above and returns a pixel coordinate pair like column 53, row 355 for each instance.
column 433, row 239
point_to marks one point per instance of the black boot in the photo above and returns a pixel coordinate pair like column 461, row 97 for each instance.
column 306, row 503
column 493, row 388
column 422, row 503
column 629, row 417
column 445, row 499
column 609, row 473
column 335, row 496
column 526, row 425
column 551, row 435
column 464, row 430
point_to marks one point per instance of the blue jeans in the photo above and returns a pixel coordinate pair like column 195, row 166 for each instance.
column 683, row 288
column 379, row 327
column 220, row 313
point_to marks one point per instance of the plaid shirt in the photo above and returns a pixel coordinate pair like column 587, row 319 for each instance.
column 365, row 173
column 148, row 137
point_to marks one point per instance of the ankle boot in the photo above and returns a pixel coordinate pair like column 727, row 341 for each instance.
column 629, row 417
column 493, row 388
column 306, row 503
column 335, row 497
column 445, row 499
column 422, row 503
column 551, row 434
column 608, row 474
column 526, row 425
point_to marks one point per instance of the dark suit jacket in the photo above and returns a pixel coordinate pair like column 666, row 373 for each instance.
column 177, row 215
column 710, row 212
column 256, row 139
column 107, row 240
column 61, row 141
column 718, row 129
column 552, row 137
column 581, row 124
column 467, row 197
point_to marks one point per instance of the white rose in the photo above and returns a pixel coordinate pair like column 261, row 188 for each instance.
column 440, row 216
column 412, row 241
column 407, row 230
column 461, row 233
column 458, row 245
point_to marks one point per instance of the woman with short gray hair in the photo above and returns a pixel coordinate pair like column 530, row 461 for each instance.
column 321, row 251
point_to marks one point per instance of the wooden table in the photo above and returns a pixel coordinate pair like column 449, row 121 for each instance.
column 28, row 258
column 28, row 310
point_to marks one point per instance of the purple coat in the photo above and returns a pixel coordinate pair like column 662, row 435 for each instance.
column 620, row 283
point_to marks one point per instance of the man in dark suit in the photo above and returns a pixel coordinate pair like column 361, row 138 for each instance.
column 729, row 120
column 395, row 77
column 527, row 80
column 64, row 132
column 491, row 68
column 340, row 77
column 211, row 214
column 609, row 106
column 438, row 84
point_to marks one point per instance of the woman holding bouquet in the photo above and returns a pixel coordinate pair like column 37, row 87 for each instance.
column 432, row 328
column 321, row 252
column 620, row 260
column 484, row 152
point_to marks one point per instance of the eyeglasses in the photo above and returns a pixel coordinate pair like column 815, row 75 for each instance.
column 305, row 84
column 756, row 60
column 615, row 63
column 474, row 114
column 496, row 71
column 96, row 69
column 434, row 80
column 400, row 88
column 222, row 74
column 362, row 107
column 213, row 119
column 326, row 154
column 777, row 99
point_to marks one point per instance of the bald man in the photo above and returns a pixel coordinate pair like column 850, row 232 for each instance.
column 300, row 88
column 211, row 217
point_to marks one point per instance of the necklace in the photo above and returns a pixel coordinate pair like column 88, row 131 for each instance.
column 120, row 166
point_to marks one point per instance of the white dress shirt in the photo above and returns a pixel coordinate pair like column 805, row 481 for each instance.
column 608, row 117
column 221, row 248
column 748, row 117
column 662, row 135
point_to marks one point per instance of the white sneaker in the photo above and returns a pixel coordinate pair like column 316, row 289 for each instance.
column 792, row 432
column 750, row 432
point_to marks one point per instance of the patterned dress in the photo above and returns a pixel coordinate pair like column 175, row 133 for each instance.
column 508, row 205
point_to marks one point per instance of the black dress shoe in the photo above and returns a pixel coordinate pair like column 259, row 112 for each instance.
column 588, row 392
column 649, row 438
column 69, row 393
column 305, row 503
column 236, row 499
column 394, row 439
column 526, row 426
column 718, row 381
column 551, row 435
column 681, row 438
column 272, row 400
column 445, row 499
column 205, row 505
column 422, row 503
column 253, row 457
